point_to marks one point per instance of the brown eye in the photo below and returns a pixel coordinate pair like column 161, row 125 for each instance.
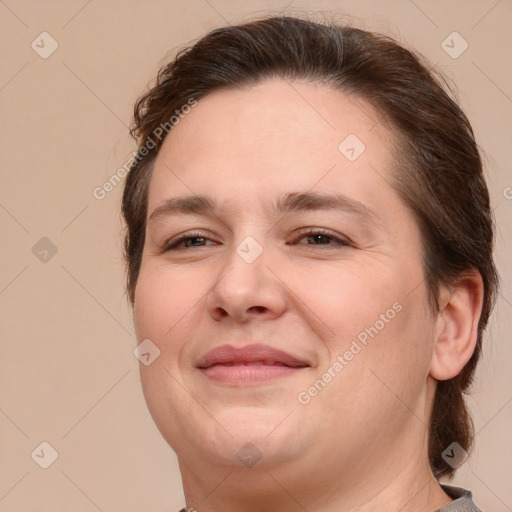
column 321, row 237
column 193, row 241
column 187, row 241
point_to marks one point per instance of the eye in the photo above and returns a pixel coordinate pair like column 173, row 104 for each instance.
column 321, row 237
column 315, row 237
column 187, row 240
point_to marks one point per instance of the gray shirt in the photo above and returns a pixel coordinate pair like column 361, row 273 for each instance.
column 463, row 500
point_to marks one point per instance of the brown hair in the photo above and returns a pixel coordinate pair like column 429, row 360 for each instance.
column 439, row 177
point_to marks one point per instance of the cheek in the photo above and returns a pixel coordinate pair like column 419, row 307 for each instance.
column 164, row 298
column 382, row 331
column 349, row 298
column 163, row 311
column 382, row 379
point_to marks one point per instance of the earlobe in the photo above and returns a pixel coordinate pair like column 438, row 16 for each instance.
column 457, row 325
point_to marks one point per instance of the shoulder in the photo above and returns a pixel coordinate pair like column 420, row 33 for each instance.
column 463, row 500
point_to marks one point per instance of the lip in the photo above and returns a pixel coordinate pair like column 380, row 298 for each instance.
column 249, row 364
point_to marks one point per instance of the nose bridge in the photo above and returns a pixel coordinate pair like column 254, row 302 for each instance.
column 246, row 286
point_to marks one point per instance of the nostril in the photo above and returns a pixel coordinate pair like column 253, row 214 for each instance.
column 258, row 309
column 222, row 312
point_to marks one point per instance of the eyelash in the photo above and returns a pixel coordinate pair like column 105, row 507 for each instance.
column 318, row 231
column 175, row 242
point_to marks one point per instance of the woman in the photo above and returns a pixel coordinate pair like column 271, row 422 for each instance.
column 309, row 251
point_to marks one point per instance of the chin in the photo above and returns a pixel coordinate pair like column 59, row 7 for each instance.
column 256, row 454
column 267, row 438
column 244, row 437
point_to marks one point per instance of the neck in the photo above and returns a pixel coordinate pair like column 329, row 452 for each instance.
column 399, row 481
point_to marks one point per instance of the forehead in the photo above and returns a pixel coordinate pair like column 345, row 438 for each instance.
column 272, row 138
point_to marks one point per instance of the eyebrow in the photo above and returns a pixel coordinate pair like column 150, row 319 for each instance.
column 307, row 201
column 185, row 205
column 293, row 202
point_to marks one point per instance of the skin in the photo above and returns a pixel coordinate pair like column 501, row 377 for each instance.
column 361, row 443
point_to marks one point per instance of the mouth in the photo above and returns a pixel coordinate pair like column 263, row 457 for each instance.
column 249, row 364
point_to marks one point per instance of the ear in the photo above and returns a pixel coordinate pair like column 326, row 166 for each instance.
column 457, row 325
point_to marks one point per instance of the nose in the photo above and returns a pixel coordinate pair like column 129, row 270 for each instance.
column 245, row 290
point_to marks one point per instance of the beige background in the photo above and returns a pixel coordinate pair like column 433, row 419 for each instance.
column 68, row 375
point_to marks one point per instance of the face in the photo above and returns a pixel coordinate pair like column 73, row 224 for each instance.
column 282, row 282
